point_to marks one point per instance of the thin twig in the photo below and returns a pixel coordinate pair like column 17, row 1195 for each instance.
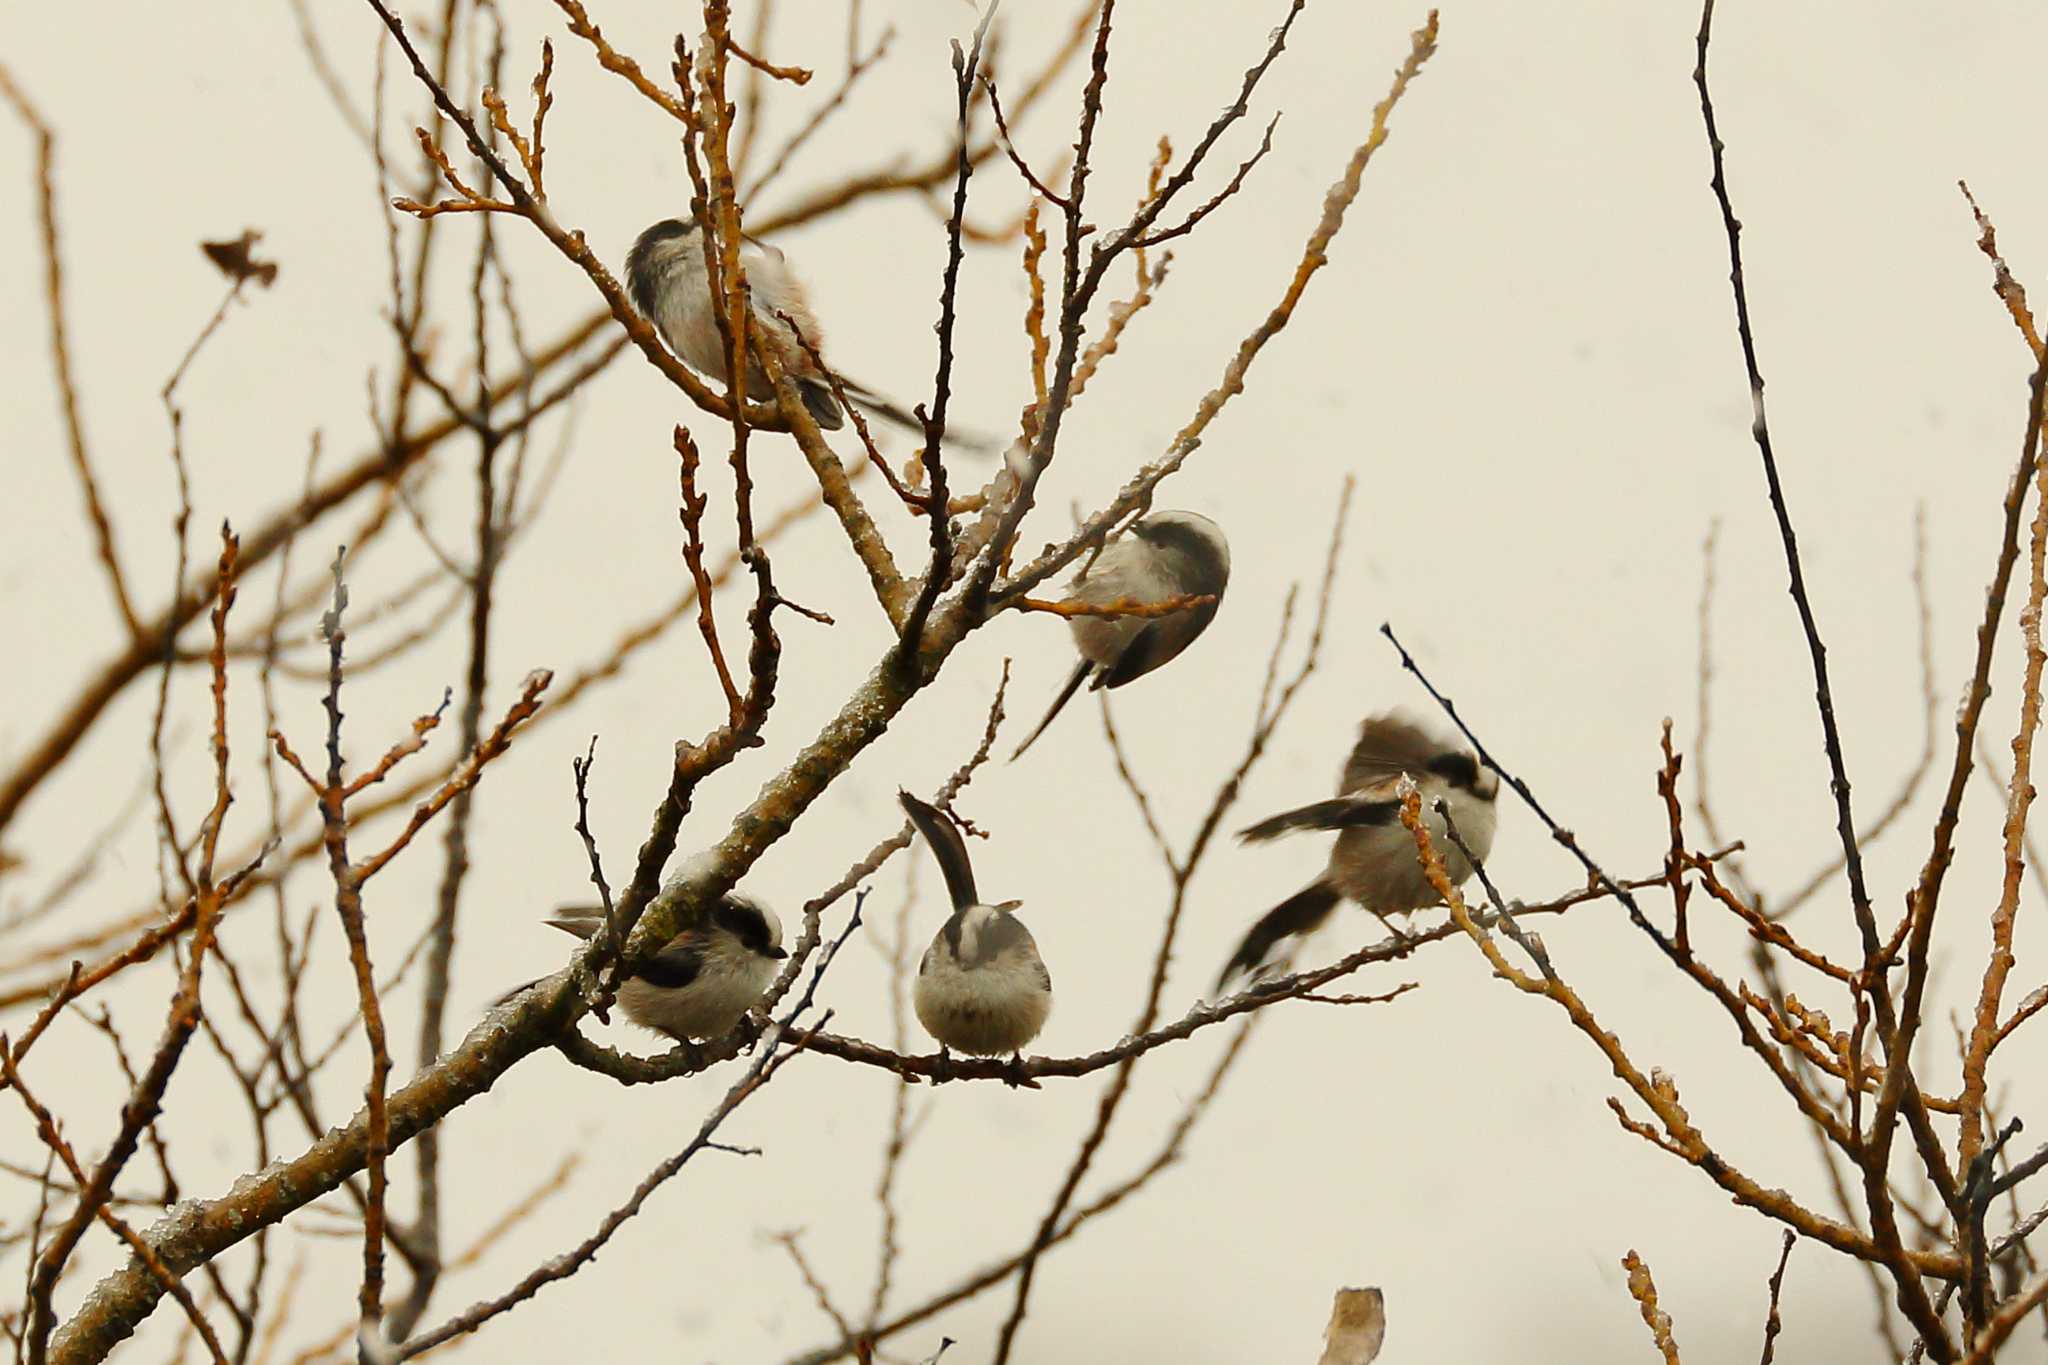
column 1777, row 1282
column 60, row 353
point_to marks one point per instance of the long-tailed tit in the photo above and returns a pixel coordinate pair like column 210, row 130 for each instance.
column 1165, row 555
column 981, row 987
column 667, row 277
column 705, row 980
column 1374, row 860
column 1358, row 1326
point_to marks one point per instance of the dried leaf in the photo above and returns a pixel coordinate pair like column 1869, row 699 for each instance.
column 236, row 259
column 1358, row 1324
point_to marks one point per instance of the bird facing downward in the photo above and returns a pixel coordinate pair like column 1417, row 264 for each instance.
column 981, row 987
column 1374, row 861
column 1165, row 555
column 667, row 277
column 705, row 980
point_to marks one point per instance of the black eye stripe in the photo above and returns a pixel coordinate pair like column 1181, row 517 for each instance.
column 744, row 923
column 1460, row 770
column 1175, row 535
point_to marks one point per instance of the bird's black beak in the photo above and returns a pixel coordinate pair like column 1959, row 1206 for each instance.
column 778, row 952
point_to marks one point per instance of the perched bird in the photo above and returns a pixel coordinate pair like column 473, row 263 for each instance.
column 1165, row 555
column 981, row 987
column 705, row 980
column 1358, row 1325
column 666, row 275
column 1374, row 860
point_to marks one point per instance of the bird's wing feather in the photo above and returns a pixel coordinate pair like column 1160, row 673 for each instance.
column 1343, row 812
column 947, row 846
column 1002, row 934
column 674, row 967
column 1160, row 640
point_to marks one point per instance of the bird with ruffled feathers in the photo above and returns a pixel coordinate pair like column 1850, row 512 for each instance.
column 1373, row 860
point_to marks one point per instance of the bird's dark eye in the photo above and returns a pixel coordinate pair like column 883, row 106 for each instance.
column 1460, row 770
column 744, row 922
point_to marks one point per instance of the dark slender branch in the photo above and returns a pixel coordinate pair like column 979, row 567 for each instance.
column 1200, row 1017
column 1164, row 1156
column 1771, row 1320
column 775, row 1048
column 60, row 356
column 1822, row 1116
column 857, row 66
column 145, row 1097
column 482, row 584
column 691, row 511
column 42, row 758
column 937, row 510
column 1899, row 1089
column 1760, row 431
column 689, row 1058
column 1896, row 1031
column 1902, row 799
column 1045, row 191
column 203, row 1230
column 348, row 905
column 572, row 244
column 790, row 1241
column 1188, row 224
column 1138, row 490
column 36, row 1340
column 1979, row 1190
column 1521, row 789
column 1181, row 875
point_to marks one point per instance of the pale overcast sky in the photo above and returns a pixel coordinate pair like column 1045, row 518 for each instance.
column 1523, row 348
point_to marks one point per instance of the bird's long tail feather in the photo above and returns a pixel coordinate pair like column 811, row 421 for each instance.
column 956, row 438
column 1074, row 681
column 824, row 408
column 948, row 848
column 1300, row 913
column 581, row 920
column 506, row 998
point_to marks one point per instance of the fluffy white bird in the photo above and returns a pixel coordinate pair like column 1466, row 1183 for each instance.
column 705, row 980
column 1373, row 861
column 667, row 277
column 1162, row 556
column 981, row 987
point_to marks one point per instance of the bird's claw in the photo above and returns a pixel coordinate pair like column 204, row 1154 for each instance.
column 1399, row 934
